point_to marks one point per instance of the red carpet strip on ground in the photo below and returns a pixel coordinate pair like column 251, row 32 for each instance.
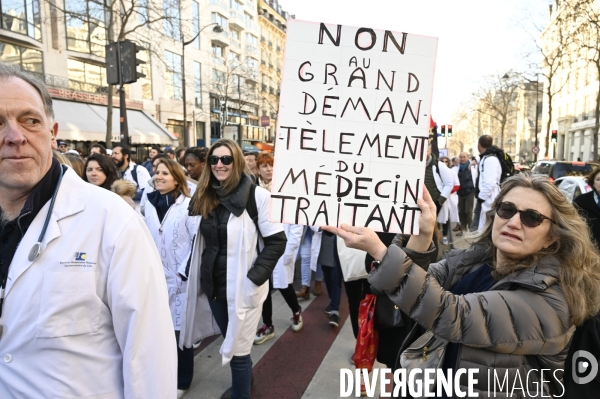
column 289, row 366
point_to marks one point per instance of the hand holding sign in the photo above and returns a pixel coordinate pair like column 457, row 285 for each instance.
column 366, row 240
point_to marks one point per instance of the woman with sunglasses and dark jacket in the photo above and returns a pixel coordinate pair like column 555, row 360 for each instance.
column 509, row 303
column 228, row 274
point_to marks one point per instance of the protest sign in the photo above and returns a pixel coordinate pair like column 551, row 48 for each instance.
column 353, row 127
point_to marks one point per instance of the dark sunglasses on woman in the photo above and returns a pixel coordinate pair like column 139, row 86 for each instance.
column 225, row 159
column 529, row 217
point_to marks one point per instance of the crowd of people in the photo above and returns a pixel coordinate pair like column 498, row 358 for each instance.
column 119, row 268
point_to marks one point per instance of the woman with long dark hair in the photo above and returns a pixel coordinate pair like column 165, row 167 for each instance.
column 100, row 170
column 233, row 256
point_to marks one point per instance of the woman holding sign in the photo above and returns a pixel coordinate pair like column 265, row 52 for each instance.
column 509, row 303
column 172, row 230
column 233, row 256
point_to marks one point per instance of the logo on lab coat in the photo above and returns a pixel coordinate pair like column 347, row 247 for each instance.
column 80, row 255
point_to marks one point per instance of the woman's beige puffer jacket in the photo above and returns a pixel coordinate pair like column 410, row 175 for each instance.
column 525, row 313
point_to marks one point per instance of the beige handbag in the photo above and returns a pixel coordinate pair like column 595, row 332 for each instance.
column 427, row 352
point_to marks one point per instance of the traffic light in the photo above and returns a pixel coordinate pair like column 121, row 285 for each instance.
column 449, row 130
column 443, row 130
column 112, row 64
column 554, row 136
column 129, row 62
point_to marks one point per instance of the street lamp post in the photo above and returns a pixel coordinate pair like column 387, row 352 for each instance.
column 217, row 29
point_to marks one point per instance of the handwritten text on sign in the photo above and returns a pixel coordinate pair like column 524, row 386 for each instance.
column 353, row 127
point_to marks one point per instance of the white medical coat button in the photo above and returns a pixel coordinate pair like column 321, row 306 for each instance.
column 8, row 358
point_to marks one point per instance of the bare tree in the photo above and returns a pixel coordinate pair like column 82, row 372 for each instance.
column 497, row 99
column 582, row 18
column 233, row 84
column 123, row 19
column 550, row 58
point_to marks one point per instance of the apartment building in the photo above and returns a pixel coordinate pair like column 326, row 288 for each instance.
column 273, row 24
column 63, row 41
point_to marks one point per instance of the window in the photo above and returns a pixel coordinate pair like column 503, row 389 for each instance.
column 218, row 76
column 218, row 50
column 234, row 59
column 84, row 76
column 142, row 11
column 196, row 23
column 28, row 59
column 250, row 3
column 21, row 16
column 86, row 26
column 219, row 3
column 251, row 40
column 219, row 19
column 198, row 84
column 173, row 76
column 235, row 34
column 252, row 62
column 236, row 6
column 146, row 69
column 172, row 22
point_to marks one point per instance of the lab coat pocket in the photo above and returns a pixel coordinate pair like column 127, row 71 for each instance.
column 69, row 305
column 253, row 295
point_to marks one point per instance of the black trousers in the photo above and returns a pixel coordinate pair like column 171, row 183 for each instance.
column 185, row 365
column 289, row 294
column 356, row 291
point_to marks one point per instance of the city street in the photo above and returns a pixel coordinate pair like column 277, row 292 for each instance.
column 292, row 365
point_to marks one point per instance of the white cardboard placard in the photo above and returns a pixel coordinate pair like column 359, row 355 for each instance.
column 353, row 127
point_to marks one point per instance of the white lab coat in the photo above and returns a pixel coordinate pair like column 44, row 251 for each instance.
column 90, row 316
column 174, row 245
column 444, row 183
column 143, row 177
column 315, row 246
column 283, row 274
column 244, row 298
column 453, row 208
column 490, row 173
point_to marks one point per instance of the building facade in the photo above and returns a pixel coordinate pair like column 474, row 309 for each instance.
column 273, row 24
column 217, row 71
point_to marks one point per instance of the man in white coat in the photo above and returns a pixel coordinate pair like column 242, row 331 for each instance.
column 488, row 183
column 84, row 309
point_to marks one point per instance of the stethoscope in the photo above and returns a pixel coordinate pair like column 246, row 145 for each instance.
column 36, row 250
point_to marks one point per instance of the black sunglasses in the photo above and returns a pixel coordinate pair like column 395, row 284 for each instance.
column 225, row 159
column 529, row 217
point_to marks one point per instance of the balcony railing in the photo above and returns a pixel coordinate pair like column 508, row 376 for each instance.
column 263, row 88
column 270, row 44
column 278, row 48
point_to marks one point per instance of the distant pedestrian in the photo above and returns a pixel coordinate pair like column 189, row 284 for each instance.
column 467, row 176
column 62, row 146
column 128, row 170
column 97, row 149
column 100, row 170
column 251, row 158
column 124, row 189
column 488, row 181
column 76, row 163
column 154, row 151
column 588, row 205
column 439, row 182
column 195, row 162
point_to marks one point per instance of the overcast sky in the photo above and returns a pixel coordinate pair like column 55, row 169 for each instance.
column 476, row 37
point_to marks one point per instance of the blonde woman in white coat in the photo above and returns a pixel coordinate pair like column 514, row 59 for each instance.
column 283, row 274
column 166, row 215
column 232, row 259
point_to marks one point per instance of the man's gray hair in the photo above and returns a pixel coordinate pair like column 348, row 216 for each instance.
column 8, row 71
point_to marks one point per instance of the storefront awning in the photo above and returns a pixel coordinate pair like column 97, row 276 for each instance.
column 87, row 122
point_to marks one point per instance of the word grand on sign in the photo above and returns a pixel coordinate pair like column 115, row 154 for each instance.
column 353, row 127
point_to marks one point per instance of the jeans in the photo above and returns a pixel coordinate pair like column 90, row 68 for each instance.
column 465, row 210
column 185, row 365
column 476, row 216
column 241, row 366
column 305, row 255
column 333, row 281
